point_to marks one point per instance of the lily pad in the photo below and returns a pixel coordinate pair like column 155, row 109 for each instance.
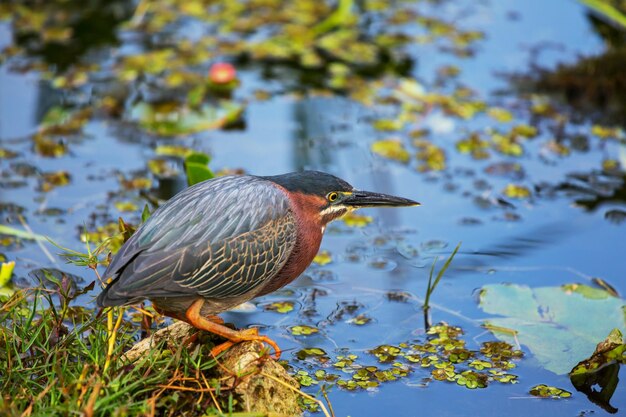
column 558, row 325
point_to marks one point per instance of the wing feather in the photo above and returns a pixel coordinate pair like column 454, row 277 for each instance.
column 220, row 238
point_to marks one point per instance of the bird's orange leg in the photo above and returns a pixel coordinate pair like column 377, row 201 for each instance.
column 234, row 336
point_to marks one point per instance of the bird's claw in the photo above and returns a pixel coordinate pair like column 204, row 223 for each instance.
column 247, row 335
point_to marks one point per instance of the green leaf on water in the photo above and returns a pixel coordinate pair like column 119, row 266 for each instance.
column 611, row 349
column 145, row 214
column 197, row 169
column 559, row 326
column 6, row 271
column 607, row 10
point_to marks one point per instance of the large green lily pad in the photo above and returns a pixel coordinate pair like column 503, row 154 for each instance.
column 560, row 325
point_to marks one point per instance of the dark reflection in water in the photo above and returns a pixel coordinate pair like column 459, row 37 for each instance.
column 599, row 386
column 595, row 190
column 593, row 87
column 92, row 24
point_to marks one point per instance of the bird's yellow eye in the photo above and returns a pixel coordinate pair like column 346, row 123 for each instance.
column 332, row 196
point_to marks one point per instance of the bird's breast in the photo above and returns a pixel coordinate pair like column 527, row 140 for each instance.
column 309, row 237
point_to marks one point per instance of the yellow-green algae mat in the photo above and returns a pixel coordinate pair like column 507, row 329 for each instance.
column 443, row 352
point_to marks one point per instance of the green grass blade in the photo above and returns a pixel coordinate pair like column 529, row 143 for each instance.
column 604, row 8
column 433, row 284
column 11, row 231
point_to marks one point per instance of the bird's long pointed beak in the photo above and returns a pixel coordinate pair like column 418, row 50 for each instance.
column 360, row 199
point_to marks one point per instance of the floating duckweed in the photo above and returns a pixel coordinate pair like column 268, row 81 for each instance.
column 507, row 144
column 524, row 130
column 516, row 191
column 471, row 379
column 126, row 206
column 386, row 353
column 304, row 378
column 413, row 357
column 280, row 306
column 345, row 362
column 323, row 258
column 475, row 146
column 499, row 350
column 391, row 149
column 357, row 220
column 360, row 320
column 443, row 353
column 309, row 404
column 425, row 348
column 439, row 374
column 430, row 156
column 505, row 378
column 459, row 355
column 479, row 364
column 547, row 391
column 311, row 353
column 604, row 132
column 50, row 180
column 499, row 114
column 303, row 330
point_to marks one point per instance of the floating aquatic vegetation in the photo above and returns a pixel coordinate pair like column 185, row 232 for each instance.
column 356, row 220
column 126, row 206
column 430, row 156
column 173, row 119
column 516, row 191
column 547, row 391
column 441, row 354
column 391, row 149
column 323, row 258
column 303, row 330
column 51, row 180
column 280, row 306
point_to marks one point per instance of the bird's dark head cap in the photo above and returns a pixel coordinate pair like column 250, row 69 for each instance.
column 311, row 183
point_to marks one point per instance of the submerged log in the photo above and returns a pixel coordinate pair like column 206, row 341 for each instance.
column 262, row 385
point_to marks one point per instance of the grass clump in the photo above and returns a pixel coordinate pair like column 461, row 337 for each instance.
column 53, row 356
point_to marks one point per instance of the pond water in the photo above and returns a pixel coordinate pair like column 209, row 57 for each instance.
column 557, row 236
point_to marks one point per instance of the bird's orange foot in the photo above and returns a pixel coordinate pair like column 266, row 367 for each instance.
column 247, row 335
column 234, row 336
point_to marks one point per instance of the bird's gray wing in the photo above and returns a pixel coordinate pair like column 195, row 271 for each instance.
column 219, row 238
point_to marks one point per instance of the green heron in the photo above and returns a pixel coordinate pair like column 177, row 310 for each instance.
column 224, row 241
